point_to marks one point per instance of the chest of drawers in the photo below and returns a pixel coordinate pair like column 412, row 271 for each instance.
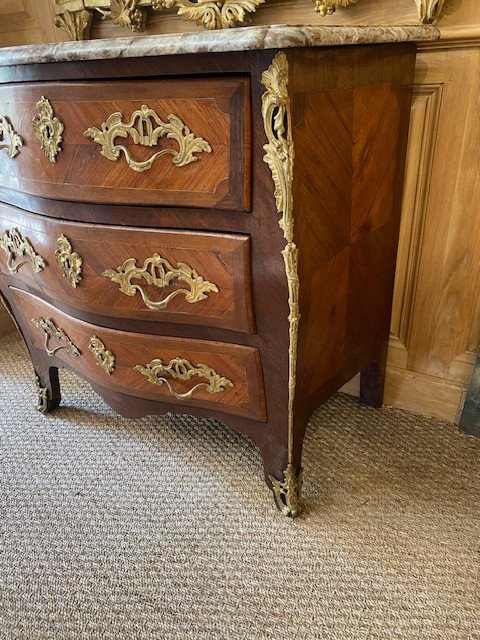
column 208, row 227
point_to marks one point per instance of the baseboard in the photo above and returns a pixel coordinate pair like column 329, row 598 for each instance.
column 419, row 393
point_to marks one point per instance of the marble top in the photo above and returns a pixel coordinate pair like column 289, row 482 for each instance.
column 241, row 39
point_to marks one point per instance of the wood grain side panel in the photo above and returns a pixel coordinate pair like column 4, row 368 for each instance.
column 222, row 259
column 216, row 110
column 349, row 144
column 239, row 364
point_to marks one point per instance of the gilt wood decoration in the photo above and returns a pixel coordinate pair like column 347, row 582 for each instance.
column 75, row 16
column 429, row 10
column 327, row 7
column 257, row 305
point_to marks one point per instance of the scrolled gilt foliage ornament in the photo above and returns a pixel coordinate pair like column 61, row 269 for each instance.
column 182, row 369
column 42, row 403
column 158, row 272
column 50, row 330
column 132, row 14
column 287, row 492
column 126, row 13
column 16, row 246
column 214, row 14
column 48, row 129
column 327, row 7
column 69, row 261
column 10, row 141
column 429, row 10
column 279, row 155
column 75, row 23
column 104, row 358
column 145, row 127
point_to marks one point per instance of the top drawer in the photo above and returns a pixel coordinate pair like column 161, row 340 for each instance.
column 156, row 142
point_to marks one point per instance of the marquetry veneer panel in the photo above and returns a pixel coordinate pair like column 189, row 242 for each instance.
column 207, row 275
column 215, row 110
column 240, row 365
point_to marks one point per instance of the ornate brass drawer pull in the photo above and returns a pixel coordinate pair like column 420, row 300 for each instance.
column 160, row 273
column 16, row 246
column 141, row 129
column 69, row 261
column 48, row 129
column 7, row 133
column 105, row 358
column 182, row 369
column 49, row 328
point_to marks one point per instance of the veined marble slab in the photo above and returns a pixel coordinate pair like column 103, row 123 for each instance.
column 241, row 39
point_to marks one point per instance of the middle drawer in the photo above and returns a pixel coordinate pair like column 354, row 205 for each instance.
column 150, row 274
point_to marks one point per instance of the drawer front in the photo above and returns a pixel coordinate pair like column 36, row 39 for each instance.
column 162, row 142
column 226, row 377
column 122, row 272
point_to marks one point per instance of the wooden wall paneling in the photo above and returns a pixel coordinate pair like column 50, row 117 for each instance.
column 422, row 135
column 443, row 330
column 27, row 22
column 435, row 328
column 275, row 12
column 436, row 319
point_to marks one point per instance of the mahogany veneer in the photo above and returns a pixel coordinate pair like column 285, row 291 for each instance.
column 312, row 138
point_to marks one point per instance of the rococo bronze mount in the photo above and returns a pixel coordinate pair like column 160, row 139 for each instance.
column 75, row 16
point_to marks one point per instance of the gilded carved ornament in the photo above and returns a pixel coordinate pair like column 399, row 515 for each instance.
column 429, row 10
column 76, row 22
column 158, row 272
column 51, row 331
column 69, row 261
column 16, row 246
column 42, row 403
column 105, row 359
column 182, row 369
column 287, row 492
column 10, row 141
column 141, row 128
column 75, row 16
column 48, row 129
column 279, row 155
column 327, row 7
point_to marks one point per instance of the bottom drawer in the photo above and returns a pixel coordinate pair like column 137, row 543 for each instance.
column 202, row 373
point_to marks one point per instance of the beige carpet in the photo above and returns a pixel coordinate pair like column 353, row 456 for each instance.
column 162, row 528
